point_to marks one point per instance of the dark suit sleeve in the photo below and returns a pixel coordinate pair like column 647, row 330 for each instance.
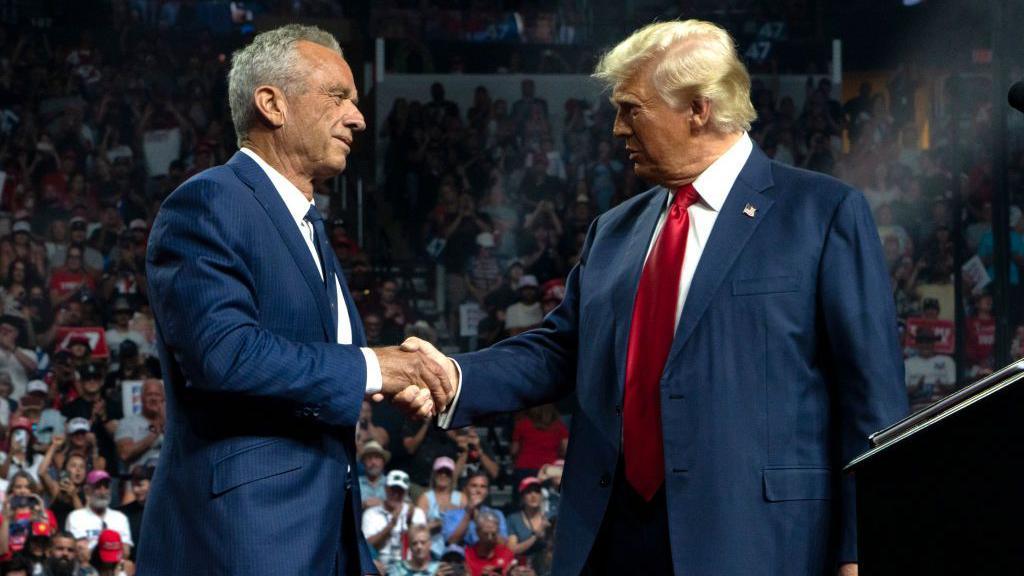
column 532, row 368
column 205, row 303
column 866, row 369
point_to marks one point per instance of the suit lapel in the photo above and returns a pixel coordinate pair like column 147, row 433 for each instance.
column 628, row 282
column 733, row 229
column 251, row 173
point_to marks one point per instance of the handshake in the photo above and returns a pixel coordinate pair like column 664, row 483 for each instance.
column 416, row 377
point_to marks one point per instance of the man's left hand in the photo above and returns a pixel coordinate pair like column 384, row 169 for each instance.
column 848, row 569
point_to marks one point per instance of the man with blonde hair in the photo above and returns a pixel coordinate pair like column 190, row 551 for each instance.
column 729, row 336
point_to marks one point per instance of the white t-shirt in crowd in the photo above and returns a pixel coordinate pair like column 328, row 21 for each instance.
column 937, row 370
column 376, row 519
column 19, row 378
column 84, row 523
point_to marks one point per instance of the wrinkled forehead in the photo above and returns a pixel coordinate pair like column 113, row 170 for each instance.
column 328, row 69
column 637, row 86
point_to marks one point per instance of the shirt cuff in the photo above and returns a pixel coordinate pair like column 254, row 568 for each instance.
column 374, row 380
column 444, row 419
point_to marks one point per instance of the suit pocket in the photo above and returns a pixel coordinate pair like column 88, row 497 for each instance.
column 771, row 285
column 257, row 462
column 782, row 484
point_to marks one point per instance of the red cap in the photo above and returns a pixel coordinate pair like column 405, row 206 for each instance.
column 21, row 422
column 41, row 529
column 527, row 482
column 110, row 547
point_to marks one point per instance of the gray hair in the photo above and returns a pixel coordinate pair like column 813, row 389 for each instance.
column 271, row 59
column 484, row 515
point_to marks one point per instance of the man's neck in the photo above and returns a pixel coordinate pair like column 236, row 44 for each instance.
column 485, row 550
column 265, row 149
column 712, row 146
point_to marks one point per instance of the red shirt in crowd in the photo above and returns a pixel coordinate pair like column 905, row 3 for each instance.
column 65, row 282
column 981, row 338
column 501, row 558
column 537, row 446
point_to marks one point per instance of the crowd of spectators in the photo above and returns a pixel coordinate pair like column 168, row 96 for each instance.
column 97, row 128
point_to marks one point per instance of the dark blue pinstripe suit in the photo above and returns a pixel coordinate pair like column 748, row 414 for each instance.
column 261, row 404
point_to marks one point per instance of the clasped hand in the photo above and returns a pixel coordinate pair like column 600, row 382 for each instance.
column 416, row 377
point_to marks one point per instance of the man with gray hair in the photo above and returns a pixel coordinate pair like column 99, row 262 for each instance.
column 729, row 336
column 263, row 353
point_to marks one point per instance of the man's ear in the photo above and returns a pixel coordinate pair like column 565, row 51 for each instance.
column 700, row 117
column 271, row 105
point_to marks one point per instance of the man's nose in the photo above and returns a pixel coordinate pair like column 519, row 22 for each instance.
column 354, row 120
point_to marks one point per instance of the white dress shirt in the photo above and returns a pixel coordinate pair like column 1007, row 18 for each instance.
column 713, row 186
column 298, row 206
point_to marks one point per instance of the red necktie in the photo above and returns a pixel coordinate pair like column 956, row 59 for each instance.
column 650, row 338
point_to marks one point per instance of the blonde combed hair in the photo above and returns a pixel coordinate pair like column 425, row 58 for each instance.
column 696, row 59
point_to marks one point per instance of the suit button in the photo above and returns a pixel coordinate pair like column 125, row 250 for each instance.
column 605, row 481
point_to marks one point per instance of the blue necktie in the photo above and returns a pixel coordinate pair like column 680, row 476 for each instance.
column 326, row 262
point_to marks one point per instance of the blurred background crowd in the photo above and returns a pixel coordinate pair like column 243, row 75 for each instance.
column 456, row 223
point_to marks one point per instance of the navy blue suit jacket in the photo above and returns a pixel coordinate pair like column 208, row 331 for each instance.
column 785, row 360
column 261, row 400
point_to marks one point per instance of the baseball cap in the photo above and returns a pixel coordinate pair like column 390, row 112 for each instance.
column 41, row 529
column 79, row 339
column 932, row 303
column 529, row 280
column 76, row 425
column 90, row 372
column 22, row 226
column 374, row 447
column 121, row 304
column 110, row 547
column 485, row 240
column 21, row 422
column 77, row 222
column 444, row 463
column 453, row 552
column 527, row 482
column 137, row 224
column 926, row 335
column 397, row 479
column 554, row 290
column 37, row 386
column 128, row 349
column 97, row 476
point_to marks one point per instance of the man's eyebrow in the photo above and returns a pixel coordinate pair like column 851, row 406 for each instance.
column 344, row 92
column 619, row 99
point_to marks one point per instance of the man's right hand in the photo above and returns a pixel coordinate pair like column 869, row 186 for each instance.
column 413, row 381
column 414, row 344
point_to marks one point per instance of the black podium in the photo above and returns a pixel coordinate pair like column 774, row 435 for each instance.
column 941, row 491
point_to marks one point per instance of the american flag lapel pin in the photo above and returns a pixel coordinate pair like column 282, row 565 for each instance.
column 750, row 210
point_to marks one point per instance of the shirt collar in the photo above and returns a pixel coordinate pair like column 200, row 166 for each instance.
column 714, row 183
column 293, row 198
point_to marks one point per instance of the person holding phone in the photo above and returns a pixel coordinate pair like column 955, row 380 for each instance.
column 21, row 455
